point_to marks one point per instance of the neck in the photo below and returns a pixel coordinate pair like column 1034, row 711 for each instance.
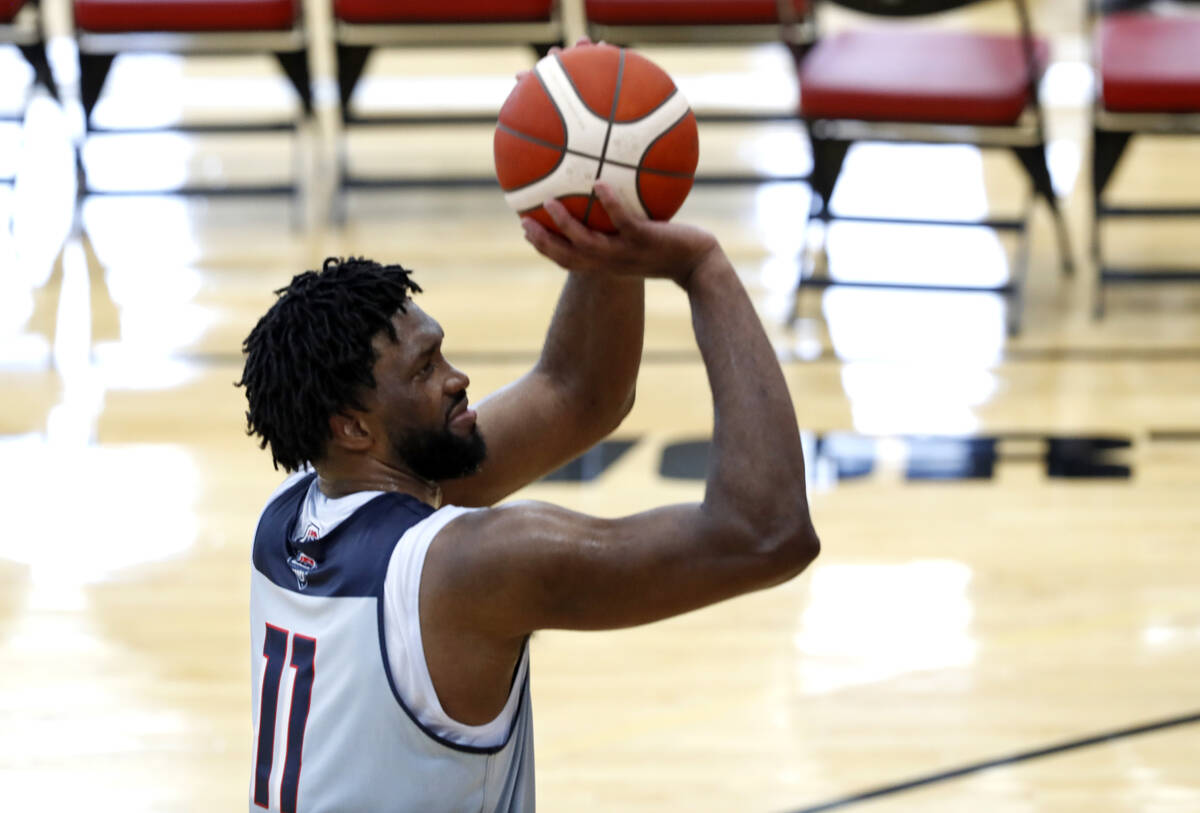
column 334, row 483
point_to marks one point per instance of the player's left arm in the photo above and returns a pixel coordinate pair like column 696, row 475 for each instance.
column 578, row 392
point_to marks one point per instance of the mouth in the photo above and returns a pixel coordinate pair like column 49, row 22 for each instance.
column 459, row 407
column 461, row 415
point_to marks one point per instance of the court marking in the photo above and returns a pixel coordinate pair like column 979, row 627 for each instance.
column 1012, row 759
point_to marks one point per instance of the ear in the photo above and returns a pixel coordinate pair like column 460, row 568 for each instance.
column 350, row 431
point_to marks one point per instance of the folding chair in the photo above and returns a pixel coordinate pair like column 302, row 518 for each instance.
column 710, row 23
column 905, row 83
column 362, row 27
column 704, row 22
column 106, row 29
column 1148, row 65
column 21, row 25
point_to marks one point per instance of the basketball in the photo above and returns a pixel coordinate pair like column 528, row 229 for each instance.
column 596, row 112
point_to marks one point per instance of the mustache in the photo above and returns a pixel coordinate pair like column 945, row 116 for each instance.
column 458, row 399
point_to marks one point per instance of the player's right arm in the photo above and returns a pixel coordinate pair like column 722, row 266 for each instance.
column 499, row 574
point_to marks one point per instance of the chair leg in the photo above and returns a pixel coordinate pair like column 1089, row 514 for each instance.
column 93, row 70
column 819, row 254
column 35, row 55
column 1064, row 237
column 1107, row 149
column 295, row 65
column 828, row 156
column 351, row 62
column 1033, row 159
column 1020, row 272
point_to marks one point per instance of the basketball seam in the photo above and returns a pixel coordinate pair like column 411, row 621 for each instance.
column 565, row 151
column 652, row 111
column 612, row 115
column 659, row 138
column 532, row 209
column 637, row 187
column 562, row 153
column 562, row 122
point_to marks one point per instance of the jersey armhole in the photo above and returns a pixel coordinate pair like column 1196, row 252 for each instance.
column 404, row 651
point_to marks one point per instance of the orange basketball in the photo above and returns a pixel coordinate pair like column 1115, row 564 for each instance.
column 596, row 112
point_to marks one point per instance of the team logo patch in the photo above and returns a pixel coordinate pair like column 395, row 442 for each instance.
column 302, row 564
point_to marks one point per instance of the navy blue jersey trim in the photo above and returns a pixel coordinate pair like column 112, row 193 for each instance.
column 433, row 735
column 349, row 561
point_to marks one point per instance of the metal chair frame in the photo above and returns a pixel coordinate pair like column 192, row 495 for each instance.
column 25, row 31
column 1111, row 134
column 795, row 32
column 354, row 43
column 98, row 50
column 832, row 138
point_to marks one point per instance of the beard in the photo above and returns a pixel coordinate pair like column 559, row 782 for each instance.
column 439, row 454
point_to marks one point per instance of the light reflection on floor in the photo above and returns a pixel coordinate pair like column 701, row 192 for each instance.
column 935, row 181
column 870, row 622
column 128, row 505
column 160, row 90
column 914, row 399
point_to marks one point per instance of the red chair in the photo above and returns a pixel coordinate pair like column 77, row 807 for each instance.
column 363, row 26
column 108, row 28
column 710, row 23
column 1148, row 67
column 639, row 22
column 906, row 83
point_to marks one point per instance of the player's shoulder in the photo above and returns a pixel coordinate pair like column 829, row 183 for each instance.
column 512, row 521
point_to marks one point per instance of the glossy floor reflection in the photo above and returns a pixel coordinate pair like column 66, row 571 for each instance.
column 1009, row 523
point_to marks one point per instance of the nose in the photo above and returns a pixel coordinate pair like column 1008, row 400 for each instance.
column 457, row 381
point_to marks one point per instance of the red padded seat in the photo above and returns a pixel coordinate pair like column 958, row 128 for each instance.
column 185, row 15
column 441, row 11
column 688, row 12
column 9, row 9
column 1149, row 64
column 925, row 76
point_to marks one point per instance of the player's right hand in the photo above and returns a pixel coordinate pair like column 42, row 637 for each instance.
column 640, row 247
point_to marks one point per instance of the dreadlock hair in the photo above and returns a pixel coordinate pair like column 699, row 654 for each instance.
column 310, row 355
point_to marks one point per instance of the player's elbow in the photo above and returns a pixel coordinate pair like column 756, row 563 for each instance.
column 776, row 550
column 793, row 549
column 609, row 412
column 625, row 407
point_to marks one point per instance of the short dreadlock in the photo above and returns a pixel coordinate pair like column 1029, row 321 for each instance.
column 310, row 355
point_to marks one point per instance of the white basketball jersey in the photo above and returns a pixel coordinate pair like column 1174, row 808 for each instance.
column 332, row 733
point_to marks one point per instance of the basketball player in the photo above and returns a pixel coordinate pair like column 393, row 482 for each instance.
column 391, row 608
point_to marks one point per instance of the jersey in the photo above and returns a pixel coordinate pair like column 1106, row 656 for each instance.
column 332, row 732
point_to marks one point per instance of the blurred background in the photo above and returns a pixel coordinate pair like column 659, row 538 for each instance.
column 1001, row 414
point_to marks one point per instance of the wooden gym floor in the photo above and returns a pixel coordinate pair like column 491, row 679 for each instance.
column 1005, row 616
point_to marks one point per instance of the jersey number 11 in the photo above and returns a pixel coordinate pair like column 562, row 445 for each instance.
column 304, row 653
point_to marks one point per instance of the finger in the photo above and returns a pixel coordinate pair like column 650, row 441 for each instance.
column 618, row 213
column 522, row 74
column 572, row 229
column 585, row 40
column 547, row 243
